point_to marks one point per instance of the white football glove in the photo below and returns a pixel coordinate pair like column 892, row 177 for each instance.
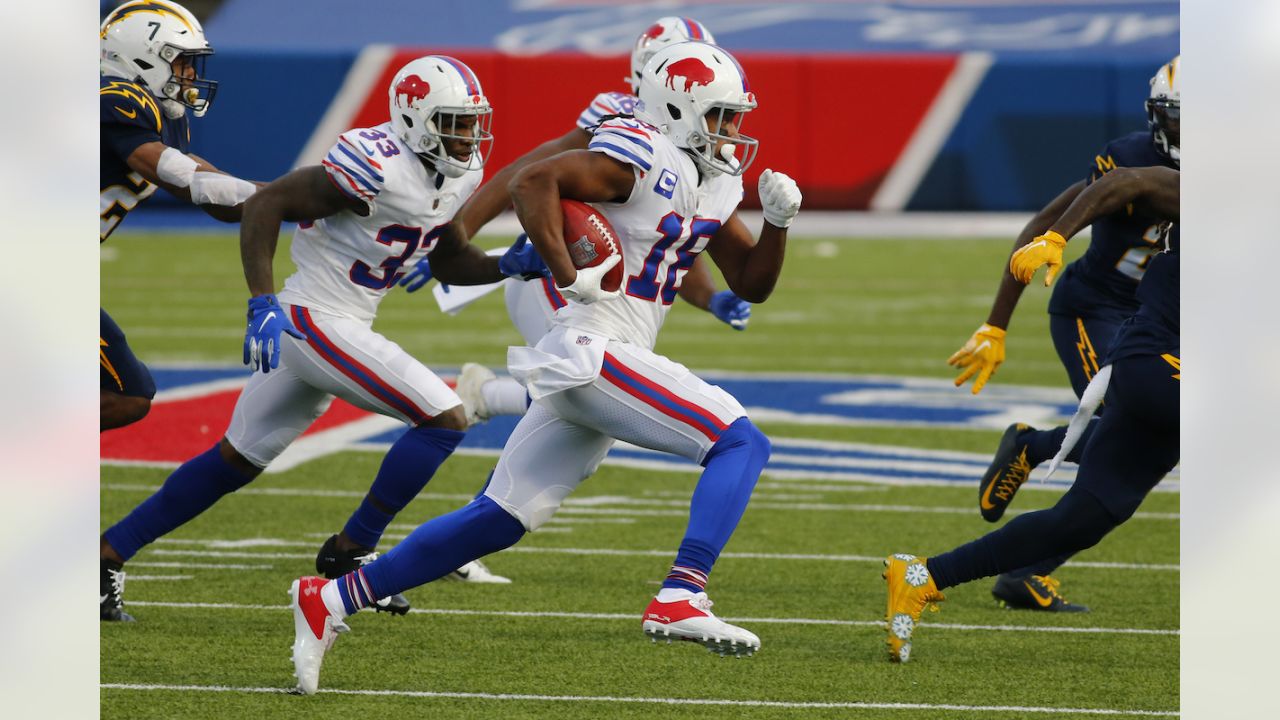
column 780, row 198
column 586, row 287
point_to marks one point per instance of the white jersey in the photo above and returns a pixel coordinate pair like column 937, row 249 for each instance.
column 662, row 227
column 346, row 262
column 605, row 104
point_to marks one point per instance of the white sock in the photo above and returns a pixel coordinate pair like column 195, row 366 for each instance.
column 504, row 396
column 666, row 595
column 333, row 599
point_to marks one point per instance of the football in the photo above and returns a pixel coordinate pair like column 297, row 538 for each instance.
column 590, row 240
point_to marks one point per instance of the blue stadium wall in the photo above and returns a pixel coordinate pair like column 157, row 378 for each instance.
column 1034, row 111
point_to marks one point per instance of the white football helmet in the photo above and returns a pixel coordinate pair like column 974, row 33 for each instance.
column 685, row 85
column 427, row 98
column 1164, row 107
column 663, row 32
column 142, row 39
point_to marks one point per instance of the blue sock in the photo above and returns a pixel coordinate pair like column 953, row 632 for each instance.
column 406, row 469
column 437, row 548
column 732, row 467
column 190, row 490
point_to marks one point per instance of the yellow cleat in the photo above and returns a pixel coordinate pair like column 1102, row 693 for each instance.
column 911, row 590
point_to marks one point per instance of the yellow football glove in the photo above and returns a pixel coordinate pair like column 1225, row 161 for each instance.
column 1044, row 250
column 982, row 355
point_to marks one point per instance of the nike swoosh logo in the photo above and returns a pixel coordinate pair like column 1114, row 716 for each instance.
column 985, row 500
column 266, row 320
column 130, row 114
column 1041, row 601
column 366, row 150
column 985, row 344
column 103, row 599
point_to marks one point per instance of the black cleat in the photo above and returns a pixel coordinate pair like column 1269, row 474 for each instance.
column 1008, row 470
column 1035, row 592
column 333, row 564
column 111, row 589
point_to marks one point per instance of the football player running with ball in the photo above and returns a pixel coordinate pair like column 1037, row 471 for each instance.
column 669, row 183
column 532, row 304
column 382, row 197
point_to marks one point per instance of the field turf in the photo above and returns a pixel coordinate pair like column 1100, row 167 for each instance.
column 563, row 640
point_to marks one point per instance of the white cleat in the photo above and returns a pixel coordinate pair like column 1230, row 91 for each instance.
column 477, row 572
column 314, row 631
column 470, row 380
column 691, row 619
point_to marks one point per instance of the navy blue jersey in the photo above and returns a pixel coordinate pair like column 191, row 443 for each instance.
column 1103, row 282
column 129, row 117
column 1154, row 328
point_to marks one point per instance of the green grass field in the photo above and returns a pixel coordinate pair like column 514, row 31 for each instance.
column 563, row 640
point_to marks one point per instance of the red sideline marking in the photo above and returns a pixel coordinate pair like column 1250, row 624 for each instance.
column 179, row 430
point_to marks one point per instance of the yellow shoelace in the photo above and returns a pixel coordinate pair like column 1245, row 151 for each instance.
column 1013, row 477
column 1051, row 584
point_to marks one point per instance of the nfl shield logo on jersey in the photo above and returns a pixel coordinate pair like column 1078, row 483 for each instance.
column 583, row 252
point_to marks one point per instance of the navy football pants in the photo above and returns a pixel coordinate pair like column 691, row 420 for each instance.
column 1133, row 447
column 120, row 371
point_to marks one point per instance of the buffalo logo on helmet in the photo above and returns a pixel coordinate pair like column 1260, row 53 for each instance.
column 412, row 88
column 694, row 72
column 653, row 32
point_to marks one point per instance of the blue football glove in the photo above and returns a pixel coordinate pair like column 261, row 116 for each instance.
column 262, row 336
column 417, row 278
column 523, row 260
column 731, row 309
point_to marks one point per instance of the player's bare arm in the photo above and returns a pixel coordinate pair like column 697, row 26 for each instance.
column 1155, row 189
column 304, row 194
column 1010, row 289
column 578, row 175
column 493, row 197
column 750, row 267
column 984, row 351
column 455, row 261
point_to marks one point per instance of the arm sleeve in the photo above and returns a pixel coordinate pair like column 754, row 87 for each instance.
column 352, row 167
column 602, row 106
column 626, row 141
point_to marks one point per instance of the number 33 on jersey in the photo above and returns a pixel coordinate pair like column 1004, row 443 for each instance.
column 409, row 206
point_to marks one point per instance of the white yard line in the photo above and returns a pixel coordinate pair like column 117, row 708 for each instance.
column 854, row 705
column 203, row 566
column 632, row 616
column 584, row 551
